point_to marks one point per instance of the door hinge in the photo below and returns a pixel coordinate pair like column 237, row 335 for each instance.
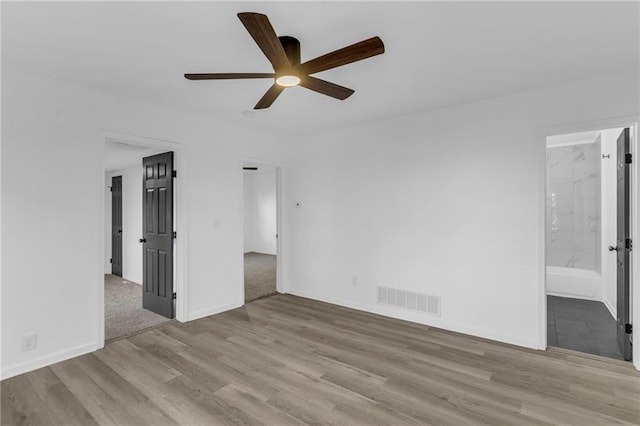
column 110, row 260
column 628, row 244
column 174, row 296
column 175, row 234
column 628, row 328
column 174, row 173
column 627, row 158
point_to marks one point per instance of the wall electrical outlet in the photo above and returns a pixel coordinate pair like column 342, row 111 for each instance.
column 29, row 342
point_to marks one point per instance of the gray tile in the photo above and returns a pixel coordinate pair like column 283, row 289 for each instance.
column 572, row 327
column 551, row 319
column 601, row 328
column 581, row 325
column 577, row 344
column 610, row 350
column 598, row 311
column 552, row 336
column 568, row 312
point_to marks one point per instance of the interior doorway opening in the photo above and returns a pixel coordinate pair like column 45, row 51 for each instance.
column 588, row 234
column 124, row 264
column 260, row 213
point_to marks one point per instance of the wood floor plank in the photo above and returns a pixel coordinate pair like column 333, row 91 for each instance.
column 241, row 379
column 118, row 388
column 20, row 402
column 149, row 413
column 255, row 407
column 93, row 398
column 286, row 360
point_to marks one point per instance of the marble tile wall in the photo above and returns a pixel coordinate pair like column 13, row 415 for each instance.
column 573, row 206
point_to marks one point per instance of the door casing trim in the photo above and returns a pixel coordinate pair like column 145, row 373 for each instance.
column 121, row 268
column 541, row 135
column 181, row 212
column 280, row 255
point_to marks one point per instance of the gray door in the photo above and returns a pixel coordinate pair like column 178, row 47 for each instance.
column 623, row 244
column 116, row 225
column 157, row 238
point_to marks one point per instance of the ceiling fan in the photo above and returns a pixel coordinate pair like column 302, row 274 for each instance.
column 284, row 55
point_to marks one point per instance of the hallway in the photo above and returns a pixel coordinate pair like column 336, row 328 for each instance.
column 259, row 275
column 123, row 310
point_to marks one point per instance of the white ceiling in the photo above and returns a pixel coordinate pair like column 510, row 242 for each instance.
column 437, row 54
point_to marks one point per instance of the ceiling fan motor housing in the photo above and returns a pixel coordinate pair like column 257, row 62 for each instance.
column 284, row 54
column 291, row 47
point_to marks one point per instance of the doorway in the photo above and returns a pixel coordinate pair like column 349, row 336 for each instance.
column 116, row 225
column 260, row 211
column 588, row 279
column 126, row 277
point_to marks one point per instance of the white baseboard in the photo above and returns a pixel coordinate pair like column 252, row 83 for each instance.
column 63, row 355
column 36, row 363
column 612, row 309
column 134, row 281
column 212, row 311
column 572, row 296
column 420, row 319
column 271, row 253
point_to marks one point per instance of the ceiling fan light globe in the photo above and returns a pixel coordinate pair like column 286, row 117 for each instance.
column 288, row 80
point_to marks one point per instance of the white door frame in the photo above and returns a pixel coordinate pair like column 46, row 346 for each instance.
column 279, row 220
column 180, row 202
column 632, row 123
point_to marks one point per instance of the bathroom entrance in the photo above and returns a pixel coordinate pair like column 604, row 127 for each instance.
column 588, row 242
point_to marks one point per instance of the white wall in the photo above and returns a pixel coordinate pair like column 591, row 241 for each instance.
column 52, row 210
column 247, row 212
column 260, row 212
column 131, row 223
column 448, row 203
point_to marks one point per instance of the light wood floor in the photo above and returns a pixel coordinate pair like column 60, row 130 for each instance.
column 287, row 360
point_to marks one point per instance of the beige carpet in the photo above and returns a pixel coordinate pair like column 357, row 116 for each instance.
column 259, row 275
column 123, row 310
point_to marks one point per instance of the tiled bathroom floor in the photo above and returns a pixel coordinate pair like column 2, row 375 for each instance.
column 581, row 325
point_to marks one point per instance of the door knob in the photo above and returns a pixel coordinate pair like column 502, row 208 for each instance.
column 142, row 240
column 119, row 231
column 612, row 248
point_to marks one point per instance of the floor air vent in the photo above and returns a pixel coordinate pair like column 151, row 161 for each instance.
column 409, row 300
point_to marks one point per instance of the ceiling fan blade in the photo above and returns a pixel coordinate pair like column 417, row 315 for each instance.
column 268, row 98
column 227, row 76
column 356, row 52
column 326, row 87
column 265, row 37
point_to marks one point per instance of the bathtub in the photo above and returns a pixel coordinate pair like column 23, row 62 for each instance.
column 571, row 282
